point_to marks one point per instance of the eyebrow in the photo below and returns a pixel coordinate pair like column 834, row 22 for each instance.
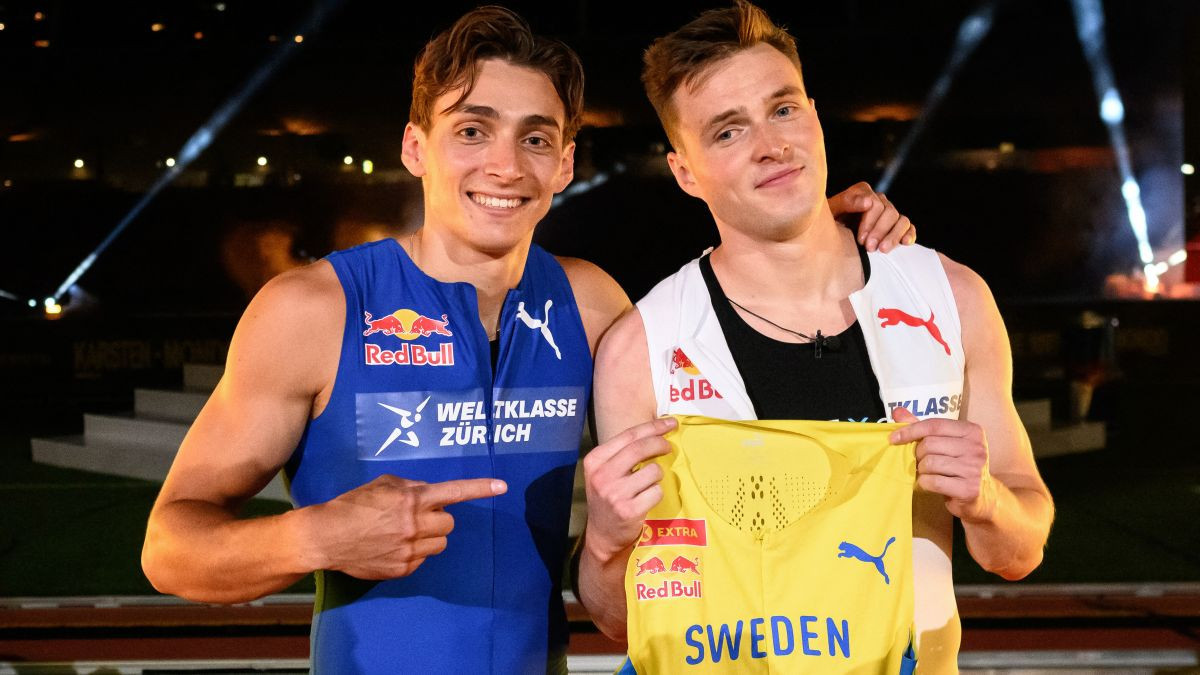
column 491, row 113
column 787, row 90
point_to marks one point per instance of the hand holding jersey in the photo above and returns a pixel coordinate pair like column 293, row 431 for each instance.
column 622, row 484
column 952, row 461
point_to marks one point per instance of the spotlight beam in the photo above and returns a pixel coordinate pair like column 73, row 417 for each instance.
column 204, row 136
column 971, row 32
column 1089, row 27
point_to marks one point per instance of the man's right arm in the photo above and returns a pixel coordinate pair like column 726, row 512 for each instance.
column 618, row 496
column 282, row 361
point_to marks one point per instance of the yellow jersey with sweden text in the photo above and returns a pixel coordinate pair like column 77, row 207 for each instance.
column 778, row 547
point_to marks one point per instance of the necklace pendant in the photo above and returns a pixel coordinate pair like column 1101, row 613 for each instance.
column 817, row 344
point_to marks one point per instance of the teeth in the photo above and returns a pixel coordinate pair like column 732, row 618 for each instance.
column 495, row 202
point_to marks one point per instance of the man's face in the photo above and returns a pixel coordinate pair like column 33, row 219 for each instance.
column 491, row 165
column 750, row 144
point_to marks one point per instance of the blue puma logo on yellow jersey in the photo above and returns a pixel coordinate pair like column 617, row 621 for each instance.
column 848, row 550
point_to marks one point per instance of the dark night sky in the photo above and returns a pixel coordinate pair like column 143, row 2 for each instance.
column 110, row 89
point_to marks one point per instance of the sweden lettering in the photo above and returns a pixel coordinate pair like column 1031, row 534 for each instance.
column 780, row 636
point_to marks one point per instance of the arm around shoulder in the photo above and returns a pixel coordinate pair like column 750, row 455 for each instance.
column 196, row 546
column 1009, row 535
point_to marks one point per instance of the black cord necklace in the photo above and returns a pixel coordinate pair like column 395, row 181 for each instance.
column 818, row 341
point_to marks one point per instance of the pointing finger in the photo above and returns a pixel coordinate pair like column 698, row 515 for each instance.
column 437, row 495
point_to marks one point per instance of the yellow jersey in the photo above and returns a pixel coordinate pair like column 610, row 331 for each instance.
column 778, row 547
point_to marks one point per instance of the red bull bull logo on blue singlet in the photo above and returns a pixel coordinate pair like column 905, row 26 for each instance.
column 408, row 325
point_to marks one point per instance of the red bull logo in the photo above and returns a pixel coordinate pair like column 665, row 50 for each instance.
column 680, row 361
column 651, row 566
column 668, row 587
column 406, row 325
column 674, row 532
column 409, row 355
column 682, row 564
column 893, row 317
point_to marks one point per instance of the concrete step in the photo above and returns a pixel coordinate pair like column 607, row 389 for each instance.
column 1035, row 413
column 1068, row 440
column 164, row 405
column 133, row 432
column 201, row 376
column 73, row 452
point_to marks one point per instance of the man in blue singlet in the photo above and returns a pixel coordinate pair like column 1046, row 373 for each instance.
column 416, row 386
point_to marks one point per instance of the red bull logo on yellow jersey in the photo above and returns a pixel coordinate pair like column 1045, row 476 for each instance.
column 681, row 577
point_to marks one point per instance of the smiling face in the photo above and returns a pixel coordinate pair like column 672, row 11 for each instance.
column 491, row 164
column 750, row 144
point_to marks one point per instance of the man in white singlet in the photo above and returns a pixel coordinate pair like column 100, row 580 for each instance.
column 790, row 318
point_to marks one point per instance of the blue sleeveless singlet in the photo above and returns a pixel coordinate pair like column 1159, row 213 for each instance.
column 415, row 396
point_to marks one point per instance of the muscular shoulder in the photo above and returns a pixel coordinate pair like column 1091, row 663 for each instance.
column 296, row 318
column 624, row 390
column 600, row 299
column 982, row 326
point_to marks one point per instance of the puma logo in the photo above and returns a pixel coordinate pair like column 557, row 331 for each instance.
column 848, row 550
column 892, row 317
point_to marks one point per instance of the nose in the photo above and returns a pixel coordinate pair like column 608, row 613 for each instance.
column 770, row 147
column 503, row 160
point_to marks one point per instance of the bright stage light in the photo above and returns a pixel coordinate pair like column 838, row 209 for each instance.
column 1089, row 28
column 170, row 162
column 347, row 160
column 1187, row 169
column 1177, row 257
column 971, row 32
column 79, row 164
column 368, row 166
column 262, row 161
column 1111, row 108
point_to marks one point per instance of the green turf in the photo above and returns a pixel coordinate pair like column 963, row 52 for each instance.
column 67, row 532
column 1117, row 521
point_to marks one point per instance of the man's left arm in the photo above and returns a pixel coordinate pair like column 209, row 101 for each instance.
column 982, row 463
